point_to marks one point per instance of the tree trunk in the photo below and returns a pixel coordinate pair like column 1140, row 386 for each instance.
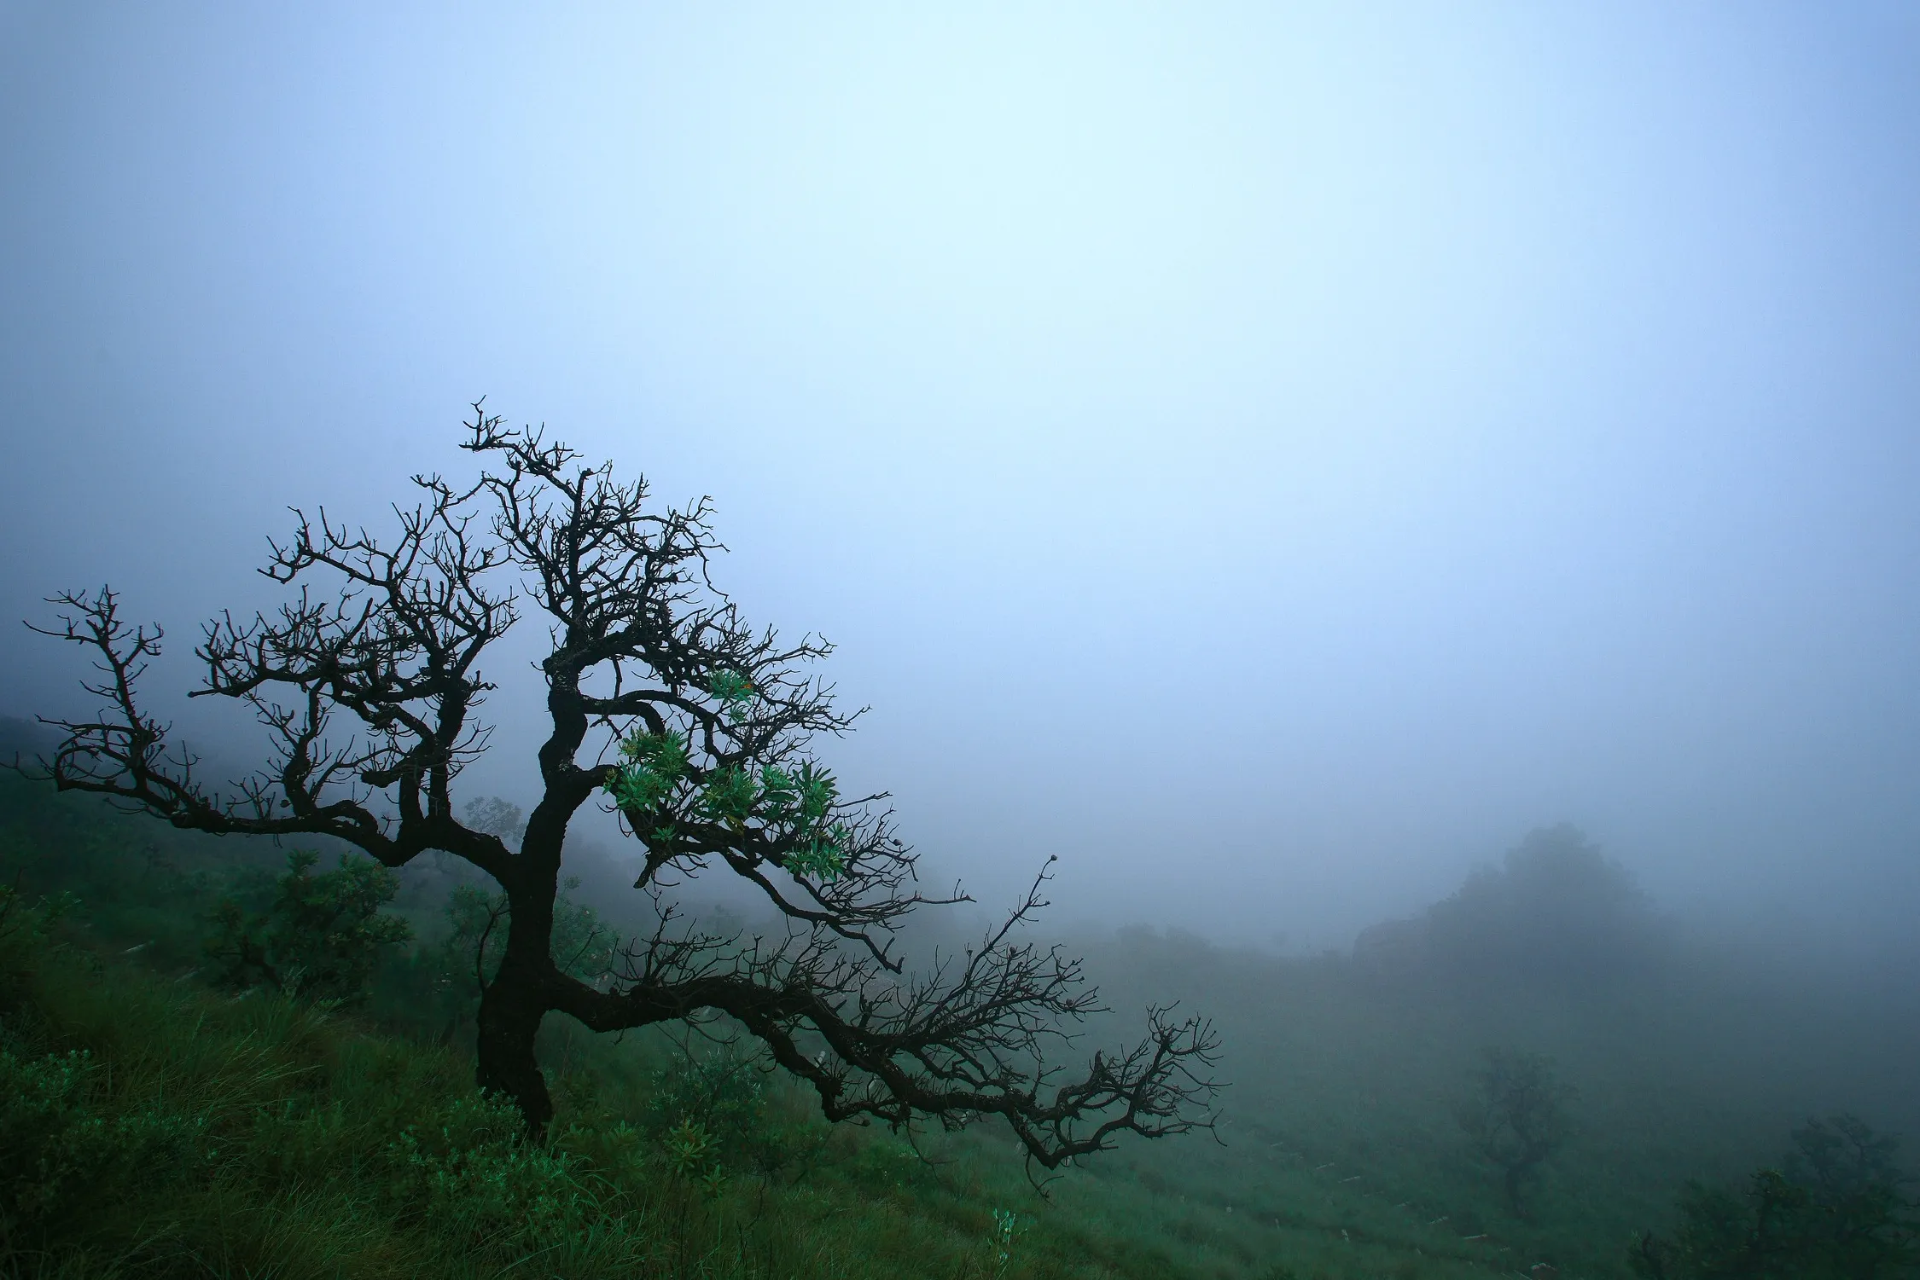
column 518, row 997
column 1515, row 1174
column 510, row 1012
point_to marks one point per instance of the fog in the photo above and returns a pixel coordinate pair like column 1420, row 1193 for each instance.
column 1271, row 458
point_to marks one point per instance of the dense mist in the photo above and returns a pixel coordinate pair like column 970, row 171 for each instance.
column 1271, row 459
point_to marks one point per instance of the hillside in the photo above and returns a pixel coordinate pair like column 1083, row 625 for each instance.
column 173, row 1128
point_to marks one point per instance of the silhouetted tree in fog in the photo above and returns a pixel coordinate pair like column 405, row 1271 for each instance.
column 694, row 726
column 1555, row 910
column 1517, row 1117
column 1555, row 907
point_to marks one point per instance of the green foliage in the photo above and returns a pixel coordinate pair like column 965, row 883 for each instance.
column 23, row 924
column 477, row 1178
column 735, row 693
column 801, row 800
column 1836, row 1214
column 729, row 795
column 62, row 1158
column 322, row 936
column 800, row 796
column 199, row 1135
column 654, row 765
column 722, row 1091
column 1342, row 1159
column 821, row 857
column 711, row 1111
column 689, row 1148
column 795, row 803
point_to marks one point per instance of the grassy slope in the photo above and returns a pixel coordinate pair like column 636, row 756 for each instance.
column 1340, row 1158
column 299, row 1166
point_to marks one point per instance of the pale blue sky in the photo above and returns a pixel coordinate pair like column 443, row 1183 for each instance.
column 1270, row 455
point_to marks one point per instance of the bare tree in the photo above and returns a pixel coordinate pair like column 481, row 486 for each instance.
column 691, row 724
column 1517, row 1117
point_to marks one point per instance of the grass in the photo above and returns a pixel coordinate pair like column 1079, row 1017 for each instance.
column 170, row 1129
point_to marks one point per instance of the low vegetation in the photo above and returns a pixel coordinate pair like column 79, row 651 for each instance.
column 167, row 1112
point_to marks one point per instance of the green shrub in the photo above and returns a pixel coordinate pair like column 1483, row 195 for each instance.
column 1837, row 1213
column 476, row 1176
column 713, row 1111
column 321, row 937
column 64, row 1157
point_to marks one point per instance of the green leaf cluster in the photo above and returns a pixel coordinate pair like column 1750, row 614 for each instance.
column 735, row 693
column 653, row 765
column 801, row 796
column 1008, row 1227
column 824, row 857
column 711, row 1113
column 802, row 799
column 730, row 796
column 478, row 1177
column 795, row 801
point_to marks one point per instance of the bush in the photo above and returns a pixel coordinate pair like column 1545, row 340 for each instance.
column 321, row 937
column 1836, row 1213
column 709, row 1109
column 477, row 1177
column 64, row 1158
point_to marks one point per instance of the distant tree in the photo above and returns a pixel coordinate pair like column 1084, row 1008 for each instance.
column 490, row 815
column 1517, row 1118
column 1840, row 1157
column 320, row 938
column 689, row 723
column 1557, row 908
column 1835, row 1210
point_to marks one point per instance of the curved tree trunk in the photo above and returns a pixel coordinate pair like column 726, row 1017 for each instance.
column 510, row 1012
column 511, row 1007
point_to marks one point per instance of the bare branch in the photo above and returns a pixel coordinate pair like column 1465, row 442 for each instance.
column 699, row 732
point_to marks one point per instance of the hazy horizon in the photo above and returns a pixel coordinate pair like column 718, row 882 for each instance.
column 1271, row 458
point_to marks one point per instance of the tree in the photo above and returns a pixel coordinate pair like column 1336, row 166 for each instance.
column 1517, row 1117
column 693, row 726
column 1557, row 910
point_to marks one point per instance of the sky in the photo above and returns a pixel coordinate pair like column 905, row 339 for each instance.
column 1269, row 456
